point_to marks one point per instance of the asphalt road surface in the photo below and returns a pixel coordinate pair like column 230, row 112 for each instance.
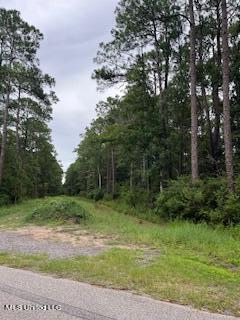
column 24, row 289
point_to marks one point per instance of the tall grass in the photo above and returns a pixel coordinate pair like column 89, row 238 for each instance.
column 219, row 244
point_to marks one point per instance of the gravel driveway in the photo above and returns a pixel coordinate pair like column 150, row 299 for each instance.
column 13, row 242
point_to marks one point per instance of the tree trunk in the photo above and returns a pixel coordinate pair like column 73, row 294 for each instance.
column 217, row 111
column 158, row 55
column 147, row 176
column 143, row 172
column 4, row 136
column 99, row 179
column 166, row 72
column 167, row 59
column 155, row 82
column 131, row 176
column 226, row 99
column 158, row 67
column 194, row 117
column 209, row 125
column 108, row 175
column 181, row 154
column 17, row 124
column 215, row 86
column 26, row 131
column 113, row 172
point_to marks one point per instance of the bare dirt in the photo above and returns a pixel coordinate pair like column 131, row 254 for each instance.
column 62, row 242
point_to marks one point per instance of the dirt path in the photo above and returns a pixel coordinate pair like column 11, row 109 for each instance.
column 54, row 243
column 63, row 242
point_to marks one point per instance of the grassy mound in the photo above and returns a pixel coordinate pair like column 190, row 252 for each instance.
column 59, row 210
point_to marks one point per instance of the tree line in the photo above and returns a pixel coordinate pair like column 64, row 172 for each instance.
column 178, row 67
column 28, row 164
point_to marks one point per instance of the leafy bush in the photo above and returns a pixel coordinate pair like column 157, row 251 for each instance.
column 206, row 200
column 231, row 210
column 4, row 200
column 96, row 195
column 137, row 197
column 60, row 210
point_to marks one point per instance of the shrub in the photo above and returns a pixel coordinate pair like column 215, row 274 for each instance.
column 137, row 197
column 231, row 210
column 4, row 200
column 99, row 195
column 206, row 200
column 180, row 200
column 96, row 195
column 60, row 210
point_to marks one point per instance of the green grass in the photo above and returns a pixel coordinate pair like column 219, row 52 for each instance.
column 15, row 215
column 195, row 264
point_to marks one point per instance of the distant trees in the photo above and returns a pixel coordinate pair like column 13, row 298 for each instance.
column 28, row 165
column 180, row 69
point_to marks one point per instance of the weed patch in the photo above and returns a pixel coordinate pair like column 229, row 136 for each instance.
column 59, row 210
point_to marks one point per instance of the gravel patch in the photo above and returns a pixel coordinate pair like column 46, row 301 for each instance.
column 17, row 243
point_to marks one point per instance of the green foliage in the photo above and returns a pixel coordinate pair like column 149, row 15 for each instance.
column 30, row 166
column 137, row 197
column 4, row 200
column 96, row 195
column 206, row 200
column 142, row 139
column 230, row 210
column 59, row 210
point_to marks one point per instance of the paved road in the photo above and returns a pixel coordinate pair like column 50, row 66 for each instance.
column 83, row 301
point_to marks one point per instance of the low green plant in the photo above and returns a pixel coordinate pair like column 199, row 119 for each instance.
column 4, row 200
column 205, row 200
column 96, row 195
column 59, row 210
column 136, row 198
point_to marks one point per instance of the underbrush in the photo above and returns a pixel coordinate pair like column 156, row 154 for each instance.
column 4, row 200
column 136, row 202
column 204, row 201
column 141, row 212
column 59, row 210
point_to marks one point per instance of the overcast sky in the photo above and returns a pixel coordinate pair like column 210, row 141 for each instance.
column 72, row 31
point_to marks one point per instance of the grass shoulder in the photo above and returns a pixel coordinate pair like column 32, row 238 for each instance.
column 182, row 262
